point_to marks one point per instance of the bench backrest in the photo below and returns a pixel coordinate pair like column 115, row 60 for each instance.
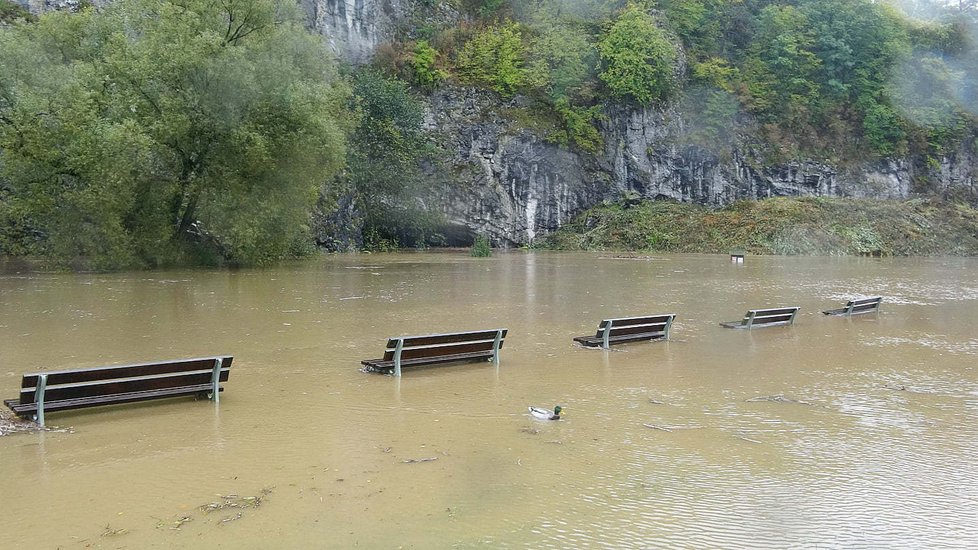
column 98, row 381
column 865, row 305
column 781, row 315
column 435, row 345
column 610, row 328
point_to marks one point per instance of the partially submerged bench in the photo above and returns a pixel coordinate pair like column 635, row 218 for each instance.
column 758, row 318
column 60, row 390
column 629, row 329
column 432, row 349
column 858, row 307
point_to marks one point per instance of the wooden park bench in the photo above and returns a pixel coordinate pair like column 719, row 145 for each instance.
column 858, row 307
column 60, row 390
column 629, row 329
column 757, row 318
column 432, row 349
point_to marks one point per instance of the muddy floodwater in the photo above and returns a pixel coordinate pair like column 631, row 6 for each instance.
column 832, row 433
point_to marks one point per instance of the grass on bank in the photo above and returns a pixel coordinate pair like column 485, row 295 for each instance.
column 786, row 226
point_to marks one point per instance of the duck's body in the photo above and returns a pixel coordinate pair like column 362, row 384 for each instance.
column 544, row 414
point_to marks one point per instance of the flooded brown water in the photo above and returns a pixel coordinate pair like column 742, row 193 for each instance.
column 832, row 433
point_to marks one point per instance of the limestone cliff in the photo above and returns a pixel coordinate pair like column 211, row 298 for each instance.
column 514, row 186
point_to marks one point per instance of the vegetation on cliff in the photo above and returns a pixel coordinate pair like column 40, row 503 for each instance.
column 834, row 79
column 807, row 226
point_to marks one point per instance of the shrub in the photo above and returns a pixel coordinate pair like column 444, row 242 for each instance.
column 481, row 247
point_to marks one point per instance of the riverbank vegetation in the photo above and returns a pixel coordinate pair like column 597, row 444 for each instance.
column 146, row 133
column 807, row 226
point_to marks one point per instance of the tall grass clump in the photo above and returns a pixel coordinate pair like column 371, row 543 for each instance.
column 481, row 247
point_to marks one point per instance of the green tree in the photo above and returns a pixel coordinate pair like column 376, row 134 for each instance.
column 565, row 56
column 637, row 58
column 782, row 68
column 424, row 60
column 386, row 149
column 495, row 56
column 154, row 132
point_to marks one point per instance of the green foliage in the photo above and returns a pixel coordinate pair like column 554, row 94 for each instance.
column 489, row 7
column 784, row 67
column 386, row 149
column 564, row 57
column 495, row 57
column 481, row 248
column 637, row 58
column 153, row 132
column 424, row 64
column 579, row 126
column 12, row 11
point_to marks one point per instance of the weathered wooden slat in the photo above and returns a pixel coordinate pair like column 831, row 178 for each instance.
column 636, row 329
column 760, row 318
column 597, row 341
column 70, row 376
column 774, row 312
column 442, row 349
column 110, row 399
column 451, row 338
column 129, row 385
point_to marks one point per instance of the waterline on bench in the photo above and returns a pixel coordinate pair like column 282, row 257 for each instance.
column 836, row 432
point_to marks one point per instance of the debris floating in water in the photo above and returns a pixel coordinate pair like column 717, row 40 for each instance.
column 230, row 518
column 654, row 427
column 235, row 501
column 418, row 460
column 110, row 532
column 777, row 399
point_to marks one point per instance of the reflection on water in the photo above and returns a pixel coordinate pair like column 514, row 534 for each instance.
column 832, row 433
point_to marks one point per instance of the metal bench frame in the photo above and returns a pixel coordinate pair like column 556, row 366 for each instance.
column 35, row 399
column 761, row 318
column 858, row 307
column 449, row 342
column 661, row 323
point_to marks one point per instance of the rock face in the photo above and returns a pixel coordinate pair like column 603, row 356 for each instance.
column 354, row 28
column 513, row 186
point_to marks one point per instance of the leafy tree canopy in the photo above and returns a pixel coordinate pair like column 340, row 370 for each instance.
column 637, row 57
column 162, row 131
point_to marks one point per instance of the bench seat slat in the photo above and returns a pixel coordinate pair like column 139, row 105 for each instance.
column 764, row 318
column 385, row 364
column 630, row 329
column 857, row 307
column 432, row 349
column 597, row 341
column 108, row 399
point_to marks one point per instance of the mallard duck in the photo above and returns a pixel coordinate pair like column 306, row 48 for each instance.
column 544, row 414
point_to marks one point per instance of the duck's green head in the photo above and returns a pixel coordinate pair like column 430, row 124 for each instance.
column 557, row 410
